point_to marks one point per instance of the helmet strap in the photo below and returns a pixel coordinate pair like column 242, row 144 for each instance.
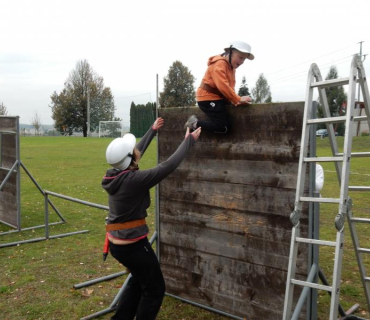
column 230, row 53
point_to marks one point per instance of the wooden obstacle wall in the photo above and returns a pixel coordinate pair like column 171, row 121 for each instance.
column 8, row 156
column 224, row 229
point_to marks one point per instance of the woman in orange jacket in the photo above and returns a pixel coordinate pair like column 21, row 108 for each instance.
column 217, row 88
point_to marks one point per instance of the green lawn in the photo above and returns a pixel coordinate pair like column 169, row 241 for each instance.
column 36, row 280
column 351, row 287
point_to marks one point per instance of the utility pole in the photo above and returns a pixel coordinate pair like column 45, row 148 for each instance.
column 88, row 112
column 359, row 92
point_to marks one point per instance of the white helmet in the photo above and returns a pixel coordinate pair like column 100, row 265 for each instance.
column 119, row 151
column 242, row 47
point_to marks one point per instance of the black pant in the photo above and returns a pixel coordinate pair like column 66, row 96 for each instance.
column 144, row 293
column 216, row 112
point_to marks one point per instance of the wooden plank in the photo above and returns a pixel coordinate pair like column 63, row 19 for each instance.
column 8, row 200
column 8, row 150
column 8, row 195
column 8, row 123
column 224, row 213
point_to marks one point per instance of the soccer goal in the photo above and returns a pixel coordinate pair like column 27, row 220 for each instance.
column 110, row 129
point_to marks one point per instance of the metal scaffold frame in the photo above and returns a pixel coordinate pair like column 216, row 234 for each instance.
column 16, row 169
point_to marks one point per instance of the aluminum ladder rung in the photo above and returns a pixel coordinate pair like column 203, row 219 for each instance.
column 326, row 200
column 358, row 188
column 360, row 118
column 362, row 220
column 363, row 250
column 356, row 154
column 323, row 159
column 327, row 120
column 311, row 285
column 8, row 132
column 318, row 242
column 330, row 83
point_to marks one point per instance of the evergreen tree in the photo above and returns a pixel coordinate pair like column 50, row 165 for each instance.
column 141, row 118
column 178, row 87
column 336, row 100
column 243, row 90
column 261, row 92
column 132, row 118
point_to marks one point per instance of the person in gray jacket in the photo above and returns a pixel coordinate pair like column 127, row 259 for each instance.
column 129, row 198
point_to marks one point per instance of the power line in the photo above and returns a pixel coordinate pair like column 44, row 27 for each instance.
column 137, row 95
column 302, row 63
column 310, row 60
column 300, row 74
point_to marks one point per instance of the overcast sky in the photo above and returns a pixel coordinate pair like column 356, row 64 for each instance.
column 129, row 42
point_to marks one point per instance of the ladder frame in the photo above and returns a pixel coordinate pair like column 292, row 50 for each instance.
column 343, row 173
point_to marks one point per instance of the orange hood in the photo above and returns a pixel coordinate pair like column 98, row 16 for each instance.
column 219, row 75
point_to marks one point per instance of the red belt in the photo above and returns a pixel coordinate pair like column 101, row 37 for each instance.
column 125, row 225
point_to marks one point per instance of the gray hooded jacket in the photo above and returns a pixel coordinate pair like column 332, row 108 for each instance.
column 128, row 190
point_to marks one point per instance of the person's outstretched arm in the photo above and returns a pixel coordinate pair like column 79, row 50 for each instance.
column 150, row 134
column 149, row 178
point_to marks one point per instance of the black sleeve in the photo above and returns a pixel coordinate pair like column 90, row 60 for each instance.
column 145, row 141
column 149, row 178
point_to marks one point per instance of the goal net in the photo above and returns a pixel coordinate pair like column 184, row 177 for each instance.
column 110, row 129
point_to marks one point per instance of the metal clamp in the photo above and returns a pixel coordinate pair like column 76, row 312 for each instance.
column 295, row 217
column 344, row 208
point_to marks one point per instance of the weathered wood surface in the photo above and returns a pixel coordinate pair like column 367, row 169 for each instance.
column 8, row 123
column 8, row 150
column 8, row 200
column 224, row 213
column 8, row 156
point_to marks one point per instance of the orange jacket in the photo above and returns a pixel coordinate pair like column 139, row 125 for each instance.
column 219, row 75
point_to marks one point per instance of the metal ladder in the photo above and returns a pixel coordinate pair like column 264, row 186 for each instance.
column 342, row 165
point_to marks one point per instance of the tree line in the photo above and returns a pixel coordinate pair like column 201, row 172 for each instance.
column 84, row 94
column 141, row 118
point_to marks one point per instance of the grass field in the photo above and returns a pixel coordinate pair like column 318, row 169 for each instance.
column 37, row 279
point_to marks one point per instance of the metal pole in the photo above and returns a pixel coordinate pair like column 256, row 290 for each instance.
column 101, row 279
column 359, row 91
column 29, row 228
column 57, row 236
column 42, row 191
column 205, row 307
column 91, row 204
column 88, row 112
column 157, row 218
column 313, row 224
column 8, row 175
column 304, row 293
column 18, row 157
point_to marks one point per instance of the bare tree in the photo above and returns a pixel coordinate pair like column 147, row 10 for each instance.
column 3, row 110
column 36, row 122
